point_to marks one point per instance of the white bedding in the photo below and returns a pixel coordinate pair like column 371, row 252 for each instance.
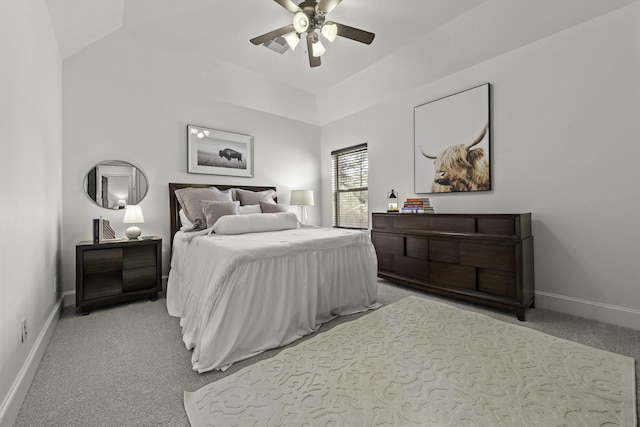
column 239, row 295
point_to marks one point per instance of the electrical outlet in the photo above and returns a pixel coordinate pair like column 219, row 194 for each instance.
column 23, row 327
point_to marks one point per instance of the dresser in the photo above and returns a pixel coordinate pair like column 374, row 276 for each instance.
column 482, row 258
column 114, row 272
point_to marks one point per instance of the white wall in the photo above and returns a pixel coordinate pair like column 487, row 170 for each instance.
column 109, row 115
column 30, row 179
column 564, row 147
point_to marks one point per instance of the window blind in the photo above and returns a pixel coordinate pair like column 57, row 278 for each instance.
column 350, row 186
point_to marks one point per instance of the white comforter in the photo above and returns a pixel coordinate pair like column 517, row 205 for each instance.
column 240, row 295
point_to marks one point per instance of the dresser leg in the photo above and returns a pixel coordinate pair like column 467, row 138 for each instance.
column 520, row 314
column 154, row 296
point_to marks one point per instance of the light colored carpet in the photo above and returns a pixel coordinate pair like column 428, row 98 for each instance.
column 421, row 362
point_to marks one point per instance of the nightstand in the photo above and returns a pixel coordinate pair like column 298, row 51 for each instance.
column 114, row 272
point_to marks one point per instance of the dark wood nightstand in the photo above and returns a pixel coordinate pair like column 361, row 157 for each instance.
column 114, row 272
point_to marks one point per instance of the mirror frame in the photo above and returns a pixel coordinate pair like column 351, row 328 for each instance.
column 112, row 202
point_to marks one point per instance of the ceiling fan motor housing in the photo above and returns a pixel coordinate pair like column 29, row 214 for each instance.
column 316, row 18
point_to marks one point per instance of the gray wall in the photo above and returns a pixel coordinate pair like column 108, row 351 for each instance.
column 564, row 147
column 30, row 179
column 109, row 115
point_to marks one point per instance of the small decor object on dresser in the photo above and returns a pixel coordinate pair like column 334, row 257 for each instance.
column 117, row 271
column 417, row 205
column 392, row 201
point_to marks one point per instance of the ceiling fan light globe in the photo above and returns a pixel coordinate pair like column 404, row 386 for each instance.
column 317, row 49
column 292, row 40
column 329, row 31
column 300, row 22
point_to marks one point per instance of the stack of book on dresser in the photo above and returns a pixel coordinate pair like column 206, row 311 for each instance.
column 417, row 205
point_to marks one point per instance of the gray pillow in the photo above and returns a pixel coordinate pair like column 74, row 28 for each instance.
column 189, row 199
column 267, row 207
column 213, row 210
column 248, row 197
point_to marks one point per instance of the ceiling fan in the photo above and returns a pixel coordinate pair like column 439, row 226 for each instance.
column 308, row 17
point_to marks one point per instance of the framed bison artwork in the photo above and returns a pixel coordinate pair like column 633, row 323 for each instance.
column 217, row 152
column 452, row 142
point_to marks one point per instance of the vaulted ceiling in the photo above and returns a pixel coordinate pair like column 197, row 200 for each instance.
column 417, row 41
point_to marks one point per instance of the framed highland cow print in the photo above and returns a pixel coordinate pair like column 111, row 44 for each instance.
column 217, row 152
column 452, row 143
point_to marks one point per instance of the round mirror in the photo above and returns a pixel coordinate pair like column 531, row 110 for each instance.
column 114, row 184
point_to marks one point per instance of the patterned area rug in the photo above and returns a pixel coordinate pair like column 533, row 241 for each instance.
column 420, row 362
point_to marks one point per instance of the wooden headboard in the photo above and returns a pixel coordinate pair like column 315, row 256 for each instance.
column 174, row 205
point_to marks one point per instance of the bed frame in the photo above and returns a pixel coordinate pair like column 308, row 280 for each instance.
column 174, row 205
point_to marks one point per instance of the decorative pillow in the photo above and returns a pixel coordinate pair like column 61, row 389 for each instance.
column 255, row 223
column 185, row 224
column 248, row 197
column 214, row 210
column 266, row 207
column 250, row 209
column 189, row 199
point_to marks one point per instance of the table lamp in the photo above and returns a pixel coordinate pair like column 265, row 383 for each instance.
column 302, row 199
column 133, row 215
column 392, row 200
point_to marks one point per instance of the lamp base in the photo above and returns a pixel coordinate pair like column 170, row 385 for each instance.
column 133, row 232
column 303, row 215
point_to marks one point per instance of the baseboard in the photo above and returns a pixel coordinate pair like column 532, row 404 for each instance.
column 13, row 401
column 615, row 315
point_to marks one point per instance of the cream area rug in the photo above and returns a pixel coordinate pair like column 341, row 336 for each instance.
column 420, row 362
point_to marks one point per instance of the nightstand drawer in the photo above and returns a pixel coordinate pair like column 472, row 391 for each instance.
column 139, row 256
column 137, row 279
column 103, row 260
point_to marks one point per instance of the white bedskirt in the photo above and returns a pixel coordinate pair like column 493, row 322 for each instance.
column 237, row 296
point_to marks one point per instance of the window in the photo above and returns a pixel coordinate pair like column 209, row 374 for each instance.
column 350, row 187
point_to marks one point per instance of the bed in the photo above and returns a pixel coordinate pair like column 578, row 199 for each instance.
column 238, row 295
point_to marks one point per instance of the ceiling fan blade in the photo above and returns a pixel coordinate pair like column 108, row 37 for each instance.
column 326, row 6
column 355, row 34
column 289, row 5
column 314, row 61
column 272, row 35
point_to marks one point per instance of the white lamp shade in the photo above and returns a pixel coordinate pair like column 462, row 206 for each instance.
column 292, row 40
column 300, row 22
column 317, row 49
column 133, row 215
column 330, row 31
column 302, row 197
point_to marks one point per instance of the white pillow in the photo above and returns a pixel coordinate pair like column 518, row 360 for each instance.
column 250, row 209
column 186, row 225
column 255, row 223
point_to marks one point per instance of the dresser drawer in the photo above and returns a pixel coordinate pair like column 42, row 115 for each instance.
column 452, row 275
column 412, row 267
column 496, row 282
column 417, row 248
column 388, row 243
column 497, row 257
column 444, row 251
